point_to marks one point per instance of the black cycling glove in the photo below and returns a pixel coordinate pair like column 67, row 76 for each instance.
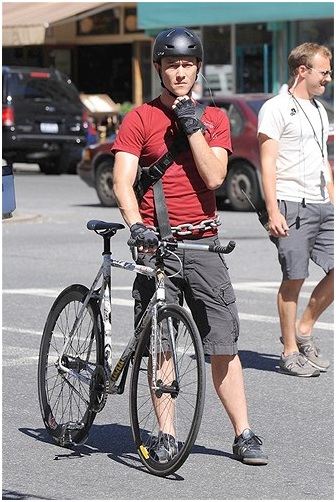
column 143, row 236
column 186, row 113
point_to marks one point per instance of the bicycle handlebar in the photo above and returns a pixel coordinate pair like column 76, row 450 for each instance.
column 172, row 245
column 107, row 230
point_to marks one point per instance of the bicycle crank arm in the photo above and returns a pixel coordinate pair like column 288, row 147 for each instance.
column 73, row 367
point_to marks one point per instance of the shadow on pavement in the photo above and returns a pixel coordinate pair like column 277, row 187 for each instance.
column 116, row 441
column 259, row 361
column 12, row 495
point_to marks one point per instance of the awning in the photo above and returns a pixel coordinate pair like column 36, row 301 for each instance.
column 24, row 23
column 99, row 105
column 152, row 15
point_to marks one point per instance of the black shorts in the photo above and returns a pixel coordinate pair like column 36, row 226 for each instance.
column 205, row 285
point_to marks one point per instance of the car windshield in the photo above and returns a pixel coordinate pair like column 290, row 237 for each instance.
column 255, row 105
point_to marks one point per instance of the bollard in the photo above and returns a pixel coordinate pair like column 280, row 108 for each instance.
column 8, row 191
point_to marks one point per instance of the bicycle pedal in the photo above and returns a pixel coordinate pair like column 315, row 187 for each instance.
column 65, row 439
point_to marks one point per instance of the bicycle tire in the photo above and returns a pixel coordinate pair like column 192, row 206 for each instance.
column 65, row 401
column 186, row 404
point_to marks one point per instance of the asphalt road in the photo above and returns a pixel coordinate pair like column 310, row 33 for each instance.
column 46, row 247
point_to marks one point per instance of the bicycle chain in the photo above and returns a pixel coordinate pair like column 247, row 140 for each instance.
column 189, row 228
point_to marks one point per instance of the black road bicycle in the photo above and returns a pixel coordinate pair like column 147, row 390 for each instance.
column 167, row 384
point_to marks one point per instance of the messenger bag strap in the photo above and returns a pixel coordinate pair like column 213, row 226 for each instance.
column 150, row 175
column 153, row 174
column 161, row 211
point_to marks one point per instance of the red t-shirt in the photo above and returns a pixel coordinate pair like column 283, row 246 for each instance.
column 148, row 132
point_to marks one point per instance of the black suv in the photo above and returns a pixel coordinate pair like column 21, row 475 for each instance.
column 43, row 119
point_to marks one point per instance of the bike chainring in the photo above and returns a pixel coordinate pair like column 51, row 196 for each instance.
column 99, row 387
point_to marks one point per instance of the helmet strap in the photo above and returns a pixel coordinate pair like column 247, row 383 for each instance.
column 169, row 92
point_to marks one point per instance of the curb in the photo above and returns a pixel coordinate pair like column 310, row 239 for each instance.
column 17, row 218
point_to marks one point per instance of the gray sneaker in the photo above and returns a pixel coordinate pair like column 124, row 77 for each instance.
column 307, row 347
column 248, row 449
column 296, row 364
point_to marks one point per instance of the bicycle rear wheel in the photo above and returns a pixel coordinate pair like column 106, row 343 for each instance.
column 68, row 397
column 166, row 414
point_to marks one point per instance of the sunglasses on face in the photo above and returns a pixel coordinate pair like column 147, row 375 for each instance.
column 326, row 73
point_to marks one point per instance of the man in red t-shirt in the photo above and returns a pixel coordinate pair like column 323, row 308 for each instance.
column 189, row 183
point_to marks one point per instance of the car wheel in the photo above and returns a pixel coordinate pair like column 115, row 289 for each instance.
column 50, row 166
column 71, row 167
column 242, row 176
column 104, row 183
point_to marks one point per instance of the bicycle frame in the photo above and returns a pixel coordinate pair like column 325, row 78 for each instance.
column 103, row 295
column 149, row 316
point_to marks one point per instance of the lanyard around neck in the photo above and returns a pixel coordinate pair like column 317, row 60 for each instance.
column 311, row 125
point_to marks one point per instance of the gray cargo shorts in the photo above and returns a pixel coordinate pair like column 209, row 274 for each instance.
column 311, row 237
column 205, row 285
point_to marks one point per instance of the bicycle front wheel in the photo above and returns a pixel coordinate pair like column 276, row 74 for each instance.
column 167, row 397
column 68, row 379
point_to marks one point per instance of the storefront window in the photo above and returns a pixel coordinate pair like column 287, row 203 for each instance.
column 105, row 23
column 103, row 70
column 320, row 31
column 130, row 20
column 253, row 58
column 110, row 22
column 217, row 44
column 217, row 65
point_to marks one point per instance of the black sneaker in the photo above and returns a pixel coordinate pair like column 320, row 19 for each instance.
column 164, row 448
column 248, row 448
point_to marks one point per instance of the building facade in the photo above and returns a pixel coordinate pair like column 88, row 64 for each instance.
column 246, row 45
